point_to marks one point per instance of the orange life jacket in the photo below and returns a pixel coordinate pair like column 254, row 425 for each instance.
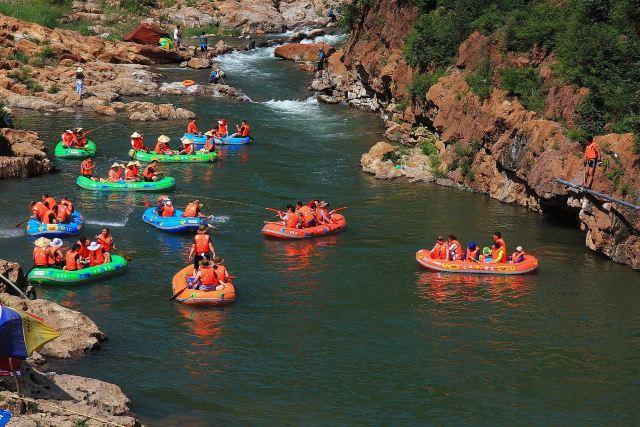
column 207, row 276
column 40, row 257
column 292, row 220
column 516, row 258
column 472, row 254
column 54, row 256
column 500, row 241
column 497, row 255
column 457, row 250
column 161, row 147
column 64, row 214
column 71, row 260
column 115, row 175
column 439, row 251
column 168, row 210
column 244, row 130
column 592, row 151
column 81, row 140
column 130, row 174
column 137, row 143
column 48, row 217
column 192, row 128
column 307, row 214
column 223, row 130
column 68, row 205
column 67, row 138
column 149, row 172
column 86, row 167
column 96, row 257
column 211, row 142
column 202, row 243
column 49, row 202
column 39, row 209
column 221, row 273
column 105, row 241
column 188, row 148
column 84, row 250
column 191, row 211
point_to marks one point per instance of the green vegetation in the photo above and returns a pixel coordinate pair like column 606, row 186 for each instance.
column 421, row 83
column 463, row 157
column 23, row 75
column 20, row 56
column 527, row 85
column 402, row 105
column 43, row 12
column 427, row 147
column 481, row 81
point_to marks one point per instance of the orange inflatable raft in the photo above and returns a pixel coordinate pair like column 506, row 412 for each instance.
column 423, row 257
column 279, row 231
column 227, row 295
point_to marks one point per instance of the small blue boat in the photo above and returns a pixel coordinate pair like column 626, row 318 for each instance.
column 35, row 227
column 201, row 140
column 174, row 224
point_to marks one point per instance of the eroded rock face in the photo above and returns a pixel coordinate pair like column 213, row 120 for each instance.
column 150, row 112
column 22, row 154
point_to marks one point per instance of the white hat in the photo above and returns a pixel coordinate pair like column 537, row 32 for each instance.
column 79, row 69
column 56, row 243
column 168, row 202
column 94, row 246
column 164, row 138
column 131, row 164
column 519, row 249
column 137, row 163
column 135, row 135
column 42, row 242
column 80, row 129
column 220, row 121
column 208, row 133
column 69, row 130
column 115, row 165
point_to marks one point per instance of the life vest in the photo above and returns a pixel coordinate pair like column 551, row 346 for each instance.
column 292, row 220
column 207, row 276
column 209, row 144
column 81, row 140
column 53, row 256
column 48, row 217
column 192, row 128
column 497, row 255
column 71, row 260
column 223, row 130
column 49, row 202
column 202, row 243
column 188, row 148
column 67, row 139
column 115, row 175
column 137, row 143
column 39, row 209
column 455, row 250
column 84, row 250
column 591, row 151
column 472, row 255
column 96, row 257
column 191, row 211
column 221, row 273
column 64, row 214
column 40, row 257
column 86, row 167
column 168, row 210
column 503, row 245
column 160, row 148
column 149, row 172
column 516, row 258
column 105, row 242
column 130, row 174
column 67, row 204
column 307, row 214
column 244, row 130
column 439, row 251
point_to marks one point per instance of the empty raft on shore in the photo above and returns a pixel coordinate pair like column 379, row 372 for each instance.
column 37, row 228
column 54, row 276
column 223, row 296
column 143, row 156
column 423, row 257
column 279, row 231
column 165, row 183
column 89, row 150
column 175, row 223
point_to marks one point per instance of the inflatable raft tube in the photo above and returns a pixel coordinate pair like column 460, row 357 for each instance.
column 279, row 231
column 423, row 257
column 63, row 152
column 224, row 296
column 165, row 183
column 233, row 140
column 36, row 228
column 174, row 223
column 54, row 276
column 198, row 140
column 143, row 156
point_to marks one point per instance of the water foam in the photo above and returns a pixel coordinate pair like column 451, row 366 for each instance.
column 332, row 39
column 245, row 61
column 8, row 233
column 294, row 106
column 108, row 223
column 220, row 219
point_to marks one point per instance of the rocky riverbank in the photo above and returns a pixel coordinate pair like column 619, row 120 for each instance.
column 60, row 399
column 22, row 154
column 488, row 142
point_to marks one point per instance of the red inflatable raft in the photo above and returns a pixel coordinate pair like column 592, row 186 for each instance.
column 423, row 257
column 223, row 296
column 279, row 231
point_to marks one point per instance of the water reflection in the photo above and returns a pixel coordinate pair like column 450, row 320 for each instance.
column 298, row 255
column 444, row 288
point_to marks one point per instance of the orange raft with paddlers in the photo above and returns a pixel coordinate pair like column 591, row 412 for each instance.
column 223, row 296
column 528, row 265
column 279, row 231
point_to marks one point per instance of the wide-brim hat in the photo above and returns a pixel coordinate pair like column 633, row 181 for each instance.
column 79, row 69
column 122, row 165
column 168, row 202
column 131, row 164
column 115, row 165
column 208, row 133
column 56, row 243
column 94, row 246
column 137, row 163
column 42, row 242
column 135, row 135
column 164, row 138
column 519, row 249
column 324, row 204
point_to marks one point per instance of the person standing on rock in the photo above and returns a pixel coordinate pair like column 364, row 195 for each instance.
column 79, row 81
column 591, row 159
column 322, row 56
column 203, row 41
column 177, row 36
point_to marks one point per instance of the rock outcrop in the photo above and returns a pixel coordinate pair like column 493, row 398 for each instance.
column 150, row 112
column 302, row 52
column 22, row 154
column 218, row 90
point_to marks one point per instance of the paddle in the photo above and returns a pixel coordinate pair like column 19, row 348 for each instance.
column 22, row 222
column 178, row 293
column 338, row 210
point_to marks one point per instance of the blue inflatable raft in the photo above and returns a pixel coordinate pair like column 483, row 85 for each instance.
column 36, row 228
column 174, row 224
column 201, row 140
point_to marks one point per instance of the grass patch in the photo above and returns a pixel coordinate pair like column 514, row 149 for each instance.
column 23, row 75
column 525, row 84
column 463, row 157
column 20, row 56
column 43, row 12
column 481, row 81
column 81, row 26
column 421, row 83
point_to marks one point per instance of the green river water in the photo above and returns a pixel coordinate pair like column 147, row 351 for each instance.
column 345, row 329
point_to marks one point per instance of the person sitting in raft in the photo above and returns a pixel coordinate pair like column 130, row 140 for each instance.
column 221, row 271
column 205, row 278
column 105, row 240
column 162, row 146
column 201, row 246
column 517, row 256
column 223, row 130
column 137, row 142
column 307, row 214
column 63, row 214
column 96, row 254
column 497, row 238
column 497, row 253
column 290, row 217
column 83, row 251
column 68, row 139
column 454, row 248
column 440, row 249
column 79, row 138
column 64, row 201
column 54, row 254
column 210, row 145
column 72, row 259
column 188, row 147
column 150, row 173
column 115, row 173
column 49, row 216
column 322, row 213
column 486, row 255
column 472, row 253
column 167, row 209
column 243, row 130
column 86, row 168
column 192, row 127
column 193, row 210
column 131, row 172
column 38, row 210
column 49, row 201
column 40, row 252
column 136, row 167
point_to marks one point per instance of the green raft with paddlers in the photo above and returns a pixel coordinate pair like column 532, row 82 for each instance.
column 165, row 183
column 89, row 150
column 55, row 276
column 143, row 156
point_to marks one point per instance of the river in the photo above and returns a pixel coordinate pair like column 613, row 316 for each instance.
column 345, row 329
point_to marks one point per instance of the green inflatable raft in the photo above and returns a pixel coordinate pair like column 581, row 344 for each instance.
column 165, row 183
column 88, row 150
column 143, row 156
column 54, row 276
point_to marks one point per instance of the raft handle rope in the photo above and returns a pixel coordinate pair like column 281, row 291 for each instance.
column 17, row 289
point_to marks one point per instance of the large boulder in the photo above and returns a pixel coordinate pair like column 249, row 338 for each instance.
column 148, row 34
column 300, row 52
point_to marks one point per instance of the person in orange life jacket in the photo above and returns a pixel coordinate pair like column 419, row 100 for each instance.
column 193, row 210
column 54, row 254
column 440, row 249
column 497, row 238
column 517, row 256
column 162, row 146
column 50, row 216
column 68, row 139
column 40, row 252
column 105, row 240
column 221, row 271
column 497, row 253
column 64, row 201
column 307, row 214
column 83, row 242
column 96, row 254
column 454, row 248
column 150, row 173
column 167, row 209
column 131, row 172
column 137, row 142
column 472, row 253
column 72, row 259
column 188, row 147
column 322, row 213
column 79, row 138
column 289, row 217
column 591, row 159
column 86, row 168
column 38, row 210
column 223, row 130
column 63, row 215
column 243, row 130
column 192, row 127
column 115, row 173
column 49, row 201
column 205, row 278
column 210, row 145
column 201, row 246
